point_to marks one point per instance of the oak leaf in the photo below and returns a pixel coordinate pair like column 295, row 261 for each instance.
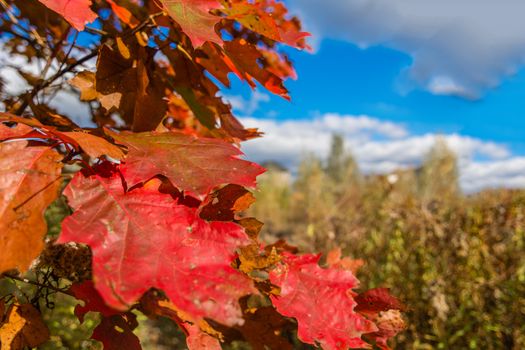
column 123, row 14
column 116, row 332
column 194, row 165
column 199, row 340
column 22, row 328
column 246, row 58
column 212, row 57
column 127, row 85
column 85, row 82
column 221, row 205
column 334, row 259
column 92, row 145
column 87, row 293
column 376, row 300
column 77, row 12
column 322, row 301
column 267, row 18
column 144, row 239
column 389, row 324
column 95, row 146
column 29, row 182
column 385, row 311
column 263, row 328
column 199, row 334
column 254, row 258
column 17, row 130
column 252, row 226
column 195, row 19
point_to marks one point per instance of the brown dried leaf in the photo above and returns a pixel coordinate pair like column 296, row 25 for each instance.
column 129, row 87
column 222, row 204
column 116, row 332
column 263, row 327
column 252, row 226
column 252, row 258
column 85, row 82
column 23, row 328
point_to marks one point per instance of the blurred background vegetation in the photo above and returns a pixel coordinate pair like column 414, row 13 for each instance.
column 457, row 261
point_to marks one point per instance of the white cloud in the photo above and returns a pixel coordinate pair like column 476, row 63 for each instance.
column 508, row 173
column 459, row 47
column 441, row 85
column 381, row 147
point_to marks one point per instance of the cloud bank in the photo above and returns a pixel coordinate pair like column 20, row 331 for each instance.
column 459, row 47
column 382, row 146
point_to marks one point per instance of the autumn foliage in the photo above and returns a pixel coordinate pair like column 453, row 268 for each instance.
column 155, row 182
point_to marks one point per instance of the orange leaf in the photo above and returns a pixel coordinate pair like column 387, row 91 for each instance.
column 123, row 14
column 95, row 146
column 23, row 328
column 246, row 58
column 29, row 182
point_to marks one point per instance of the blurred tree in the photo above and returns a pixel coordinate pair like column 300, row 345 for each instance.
column 458, row 263
column 438, row 176
column 273, row 200
column 312, row 201
column 341, row 166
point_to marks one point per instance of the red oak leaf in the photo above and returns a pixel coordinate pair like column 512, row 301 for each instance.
column 76, row 12
column 384, row 309
column 144, row 239
column 195, row 19
column 17, row 130
column 389, row 324
column 86, row 292
column 246, row 58
column 255, row 17
column 199, row 335
column 194, row 165
column 116, row 332
column 269, row 19
column 376, row 300
column 29, row 182
column 322, row 302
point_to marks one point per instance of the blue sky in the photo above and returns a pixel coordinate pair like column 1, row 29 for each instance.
column 342, row 78
column 450, row 68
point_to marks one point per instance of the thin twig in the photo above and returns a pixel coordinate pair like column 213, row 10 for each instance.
column 13, row 19
column 38, row 284
column 45, row 83
column 52, row 79
column 96, row 31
